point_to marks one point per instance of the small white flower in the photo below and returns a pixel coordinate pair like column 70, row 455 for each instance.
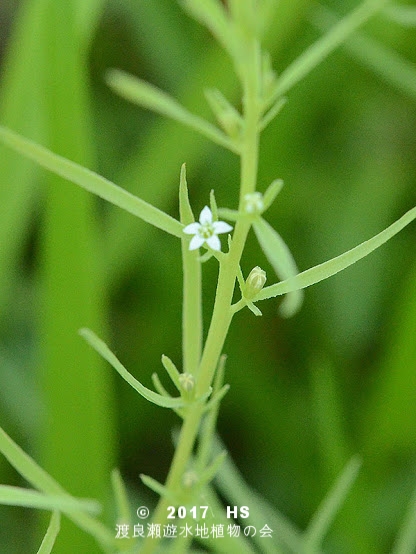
column 206, row 231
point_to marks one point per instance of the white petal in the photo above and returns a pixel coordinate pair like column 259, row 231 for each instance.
column 192, row 228
column 206, row 216
column 221, row 227
column 196, row 242
column 214, row 242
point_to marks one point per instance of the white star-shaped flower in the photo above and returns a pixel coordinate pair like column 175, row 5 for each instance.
column 206, row 231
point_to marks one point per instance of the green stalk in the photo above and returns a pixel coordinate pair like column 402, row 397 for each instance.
column 222, row 312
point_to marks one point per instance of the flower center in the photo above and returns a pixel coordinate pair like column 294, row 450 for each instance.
column 206, row 231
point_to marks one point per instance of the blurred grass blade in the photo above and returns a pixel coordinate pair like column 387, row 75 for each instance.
column 106, row 353
column 91, row 181
column 280, row 257
column 17, row 496
column 325, row 515
column 121, row 499
column 233, row 487
column 406, row 540
column 378, row 57
column 318, row 51
column 404, row 15
column 148, row 96
column 51, row 534
column 333, row 266
column 213, row 15
column 41, row 480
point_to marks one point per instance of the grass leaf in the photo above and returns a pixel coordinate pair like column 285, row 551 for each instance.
column 329, row 507
column 90, row 181
column 51, row 534
column 318, row 51
column 17, row 496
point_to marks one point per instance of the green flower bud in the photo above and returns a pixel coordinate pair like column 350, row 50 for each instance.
column 255, row 282
column 187, row 382
column 190, row 479
column 253, row 203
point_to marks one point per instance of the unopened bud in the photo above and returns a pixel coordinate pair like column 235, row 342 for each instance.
column 255, row 282
column 187, row 382
column 253, row 203
column 190, row 479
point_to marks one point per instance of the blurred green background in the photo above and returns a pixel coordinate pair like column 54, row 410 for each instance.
column 307, row 393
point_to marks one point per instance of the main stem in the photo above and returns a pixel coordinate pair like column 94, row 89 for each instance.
column 222, row 313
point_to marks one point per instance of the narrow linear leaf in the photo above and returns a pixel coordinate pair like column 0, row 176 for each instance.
column 157, row 487
column 139, row 92
column 212, row 14
column 172, row 371
column 185, row 210
column 192, row 289
column 159, row 387
column 335, row 265
column 325, row 515
column 318, row 51
column 378, row 57
column 51, row 534
column 271, row 192
column 120, row 496
column 37, row 477
column 17, row 496
column 210, row 472
column 280, row 257
column 404, row 15
column 106, row 353
column 91, row 181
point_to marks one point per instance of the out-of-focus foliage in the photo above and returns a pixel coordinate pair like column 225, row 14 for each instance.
column 307, row 393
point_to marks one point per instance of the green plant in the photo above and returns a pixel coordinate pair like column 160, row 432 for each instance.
column 198, row 456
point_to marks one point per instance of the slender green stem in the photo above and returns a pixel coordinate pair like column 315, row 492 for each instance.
column 229, row 265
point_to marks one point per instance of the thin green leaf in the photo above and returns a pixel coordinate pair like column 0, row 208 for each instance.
column 192, row 288
column 212, row 14
column 216, row 398
column 159, row 387
column 335, row 265
column 380, row 58
column 17, row 496
column 271, row 192
column 150, row 97
column 157, row 487
column 172, row 371
column 272, row 113
column 120, row 497
column 325, row 515
column 404, row 15
column 106, row 353
column 210, row 472
column 91, row 182
column 35, row 475
column 51, row 534
column 282, row 261
column 406, row 539
column 318, row 51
